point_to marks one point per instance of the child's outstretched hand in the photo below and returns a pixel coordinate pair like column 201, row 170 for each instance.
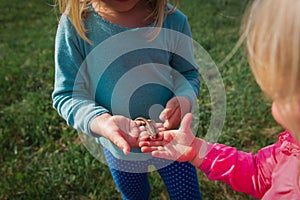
column 175, row 109
column 180, row 145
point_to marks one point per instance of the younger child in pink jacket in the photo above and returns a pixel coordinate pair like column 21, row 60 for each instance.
column 273, row 44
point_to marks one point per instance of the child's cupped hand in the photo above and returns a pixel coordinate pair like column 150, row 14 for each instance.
column 123, row 132
column 175, row 109
column 177, row 145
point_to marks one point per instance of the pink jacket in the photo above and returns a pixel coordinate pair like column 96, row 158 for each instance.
column 272, row 174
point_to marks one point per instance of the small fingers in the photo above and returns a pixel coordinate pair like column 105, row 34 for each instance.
column 174, row 120
column 151, row 143
column 147, row 149
column 159, row 127
column 120, row 142
column 144, row 136
column 159, row 153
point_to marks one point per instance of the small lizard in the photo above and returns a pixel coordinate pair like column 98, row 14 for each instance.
column 149, row 126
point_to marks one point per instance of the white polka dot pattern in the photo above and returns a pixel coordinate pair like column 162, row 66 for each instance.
column 180, row 178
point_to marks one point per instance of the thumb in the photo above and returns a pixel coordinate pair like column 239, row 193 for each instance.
column 172, row 103
column 169, row 109
column 185, row 125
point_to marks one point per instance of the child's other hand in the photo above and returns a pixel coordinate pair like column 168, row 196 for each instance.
column 180, row 145
column 175, row 109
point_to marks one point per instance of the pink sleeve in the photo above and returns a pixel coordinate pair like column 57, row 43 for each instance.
column 243, row 171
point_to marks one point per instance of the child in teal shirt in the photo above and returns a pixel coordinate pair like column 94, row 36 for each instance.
column 114, row 72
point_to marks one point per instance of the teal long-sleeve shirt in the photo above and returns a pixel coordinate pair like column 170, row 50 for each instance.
column 124, row 71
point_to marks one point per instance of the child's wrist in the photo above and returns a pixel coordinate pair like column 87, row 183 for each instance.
column 202, row 148
column 96, row 124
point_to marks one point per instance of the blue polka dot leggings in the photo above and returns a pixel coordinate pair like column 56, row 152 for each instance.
column 180, row 178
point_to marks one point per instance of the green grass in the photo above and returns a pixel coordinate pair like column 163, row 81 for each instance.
column 42, row 158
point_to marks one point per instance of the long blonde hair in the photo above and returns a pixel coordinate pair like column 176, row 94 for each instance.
column 273, row 43
column 77, row 10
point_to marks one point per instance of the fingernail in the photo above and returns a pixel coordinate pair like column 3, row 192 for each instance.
column 125, row 152
column 166, row 124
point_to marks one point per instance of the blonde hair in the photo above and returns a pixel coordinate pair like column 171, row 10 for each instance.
column 77, row 10
column 273, row 44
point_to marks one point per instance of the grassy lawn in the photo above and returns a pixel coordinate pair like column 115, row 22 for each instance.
column 42, row 158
